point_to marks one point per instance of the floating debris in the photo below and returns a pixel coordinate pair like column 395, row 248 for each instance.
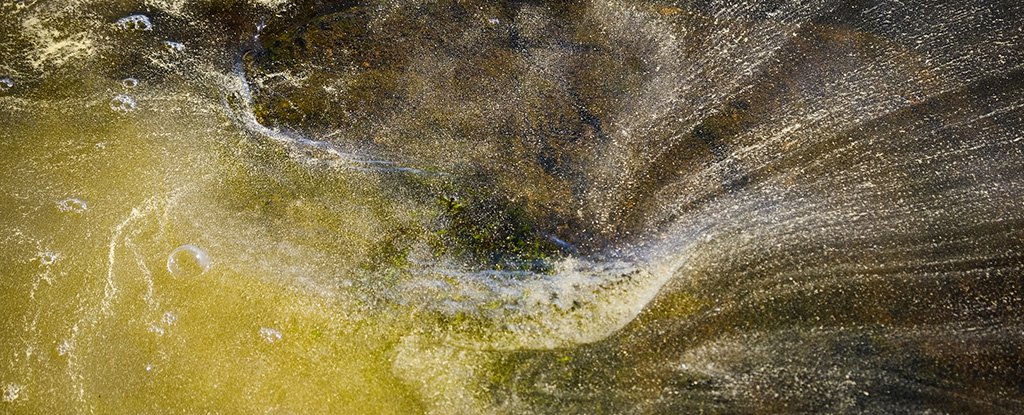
column 47, row 258
column 12, row 392
column 173, row 47
column 137, row 22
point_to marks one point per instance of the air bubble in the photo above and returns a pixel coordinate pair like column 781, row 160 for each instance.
column 72, row 205
column 135, row 22
column 130, row 82
column 122, row 104
column 270, row 335
column 6, row 83
column 188, row 261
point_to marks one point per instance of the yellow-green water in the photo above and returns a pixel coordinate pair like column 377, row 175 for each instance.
column 94, row 320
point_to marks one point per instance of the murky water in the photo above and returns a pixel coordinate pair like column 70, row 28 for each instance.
column 511, row 207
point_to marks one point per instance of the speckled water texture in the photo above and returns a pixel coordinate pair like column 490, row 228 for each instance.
column 456, row 207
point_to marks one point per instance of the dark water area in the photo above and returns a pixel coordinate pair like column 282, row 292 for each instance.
column 650, row 207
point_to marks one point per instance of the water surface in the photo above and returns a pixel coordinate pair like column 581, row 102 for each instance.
column 511, row 207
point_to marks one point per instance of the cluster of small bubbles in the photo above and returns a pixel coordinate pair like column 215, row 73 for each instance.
column 149, row 367
column 134, row 22
column 270, row 335
column 63, row 348
column 169, row 318
column 47, row 258
column 72, row 205
column 173, row 47
column 122, row 103
column 6, row 83
column 12, row 392
column 188, row 261
column 155, row 329
column 130, row 82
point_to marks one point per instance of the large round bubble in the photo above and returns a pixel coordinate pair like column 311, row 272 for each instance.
column 188, row 261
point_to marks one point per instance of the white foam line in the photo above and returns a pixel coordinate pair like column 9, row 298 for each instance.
column 110, row 289
column 610, row 295
column 150, row 294
column 245, row 117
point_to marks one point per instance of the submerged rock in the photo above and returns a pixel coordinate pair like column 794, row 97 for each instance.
column 512, row 100
column 809, row 176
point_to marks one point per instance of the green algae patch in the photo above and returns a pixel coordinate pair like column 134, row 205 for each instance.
column 493, row 231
